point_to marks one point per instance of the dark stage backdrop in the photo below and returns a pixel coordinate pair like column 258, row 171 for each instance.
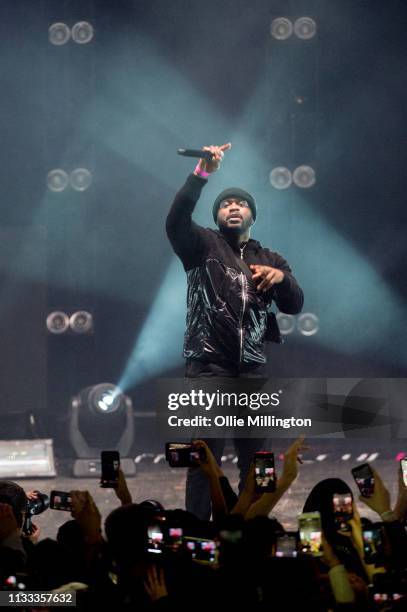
column 23, row 355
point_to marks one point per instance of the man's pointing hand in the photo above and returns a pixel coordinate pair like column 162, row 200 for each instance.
column 269, row 276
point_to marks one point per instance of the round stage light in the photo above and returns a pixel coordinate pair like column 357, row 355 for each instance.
column 57, row 180
column 101, row 417
column 106, row 402
column 304, row 177
column 280, row 178
column 105, row 398
column 286, row 323
column 81, row 179
column 81, row 322
column 308, row 324
column 281, row 28
column 59, row 34
column 82, row 32
column 305, row 28
column 57, row 322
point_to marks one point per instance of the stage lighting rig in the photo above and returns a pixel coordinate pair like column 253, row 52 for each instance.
column 82, row 32
column 281, row 28
column 81, row 322
column 80, row 179
column 286, row 323
column 59, row 34
column 280, row 178
column 101, row 418
column 57, row 180
column 305, row 28
column 57, row 322
column 308, row 324
column 304, row 177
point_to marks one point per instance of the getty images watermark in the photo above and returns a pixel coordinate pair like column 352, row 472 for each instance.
column 207, row 401
column 230, row 409
column 282, row 407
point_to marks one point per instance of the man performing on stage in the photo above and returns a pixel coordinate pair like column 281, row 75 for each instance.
column 232, row 281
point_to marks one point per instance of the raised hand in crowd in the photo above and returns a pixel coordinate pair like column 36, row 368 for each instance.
column 208, row 463
column 400, row 509
column 122, row 490
column 35, row 530
column 328, row 553
column 154, row 583
column 395, row 534
column 355, row 535
column 379, row 501
column 31, row 495
column 86, row 513
column 213, row 472
column 34, row 535
column 338, row 576
column 248, row 494
column 264, row 505
column 293, row 457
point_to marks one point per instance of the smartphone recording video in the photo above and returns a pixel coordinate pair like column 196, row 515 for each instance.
column 60, row 500
column 201, row 550
column 343, row 510
column 265, row 473
column 364, row 479
column 110, row 469
column 287, row 545
column 155, row 536
column 163, row 535
column 309, row 527
column 180, row 455
column 373, row 544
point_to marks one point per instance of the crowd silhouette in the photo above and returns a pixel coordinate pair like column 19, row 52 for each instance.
column 148, row 557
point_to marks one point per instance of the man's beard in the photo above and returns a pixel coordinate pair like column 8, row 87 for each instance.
column 234, row 231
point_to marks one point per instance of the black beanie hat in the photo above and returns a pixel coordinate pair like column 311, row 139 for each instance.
column 234, row 192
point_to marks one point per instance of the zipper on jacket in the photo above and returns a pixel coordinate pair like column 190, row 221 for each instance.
column 244, row 301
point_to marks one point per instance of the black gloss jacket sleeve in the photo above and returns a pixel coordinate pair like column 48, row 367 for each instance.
column 287, row 295
column 186, row 236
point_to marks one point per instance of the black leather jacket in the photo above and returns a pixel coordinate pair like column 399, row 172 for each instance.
column 227, row 318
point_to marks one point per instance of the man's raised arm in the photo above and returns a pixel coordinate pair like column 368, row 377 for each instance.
column 183, row 233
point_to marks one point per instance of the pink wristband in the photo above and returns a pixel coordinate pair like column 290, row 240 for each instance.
column 199, row 172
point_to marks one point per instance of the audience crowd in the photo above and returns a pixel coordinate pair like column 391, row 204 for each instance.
column 146, row 557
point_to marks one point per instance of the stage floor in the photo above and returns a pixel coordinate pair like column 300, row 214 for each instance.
column 158, row 481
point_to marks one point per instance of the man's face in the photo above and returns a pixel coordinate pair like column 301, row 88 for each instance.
column 234, row 216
